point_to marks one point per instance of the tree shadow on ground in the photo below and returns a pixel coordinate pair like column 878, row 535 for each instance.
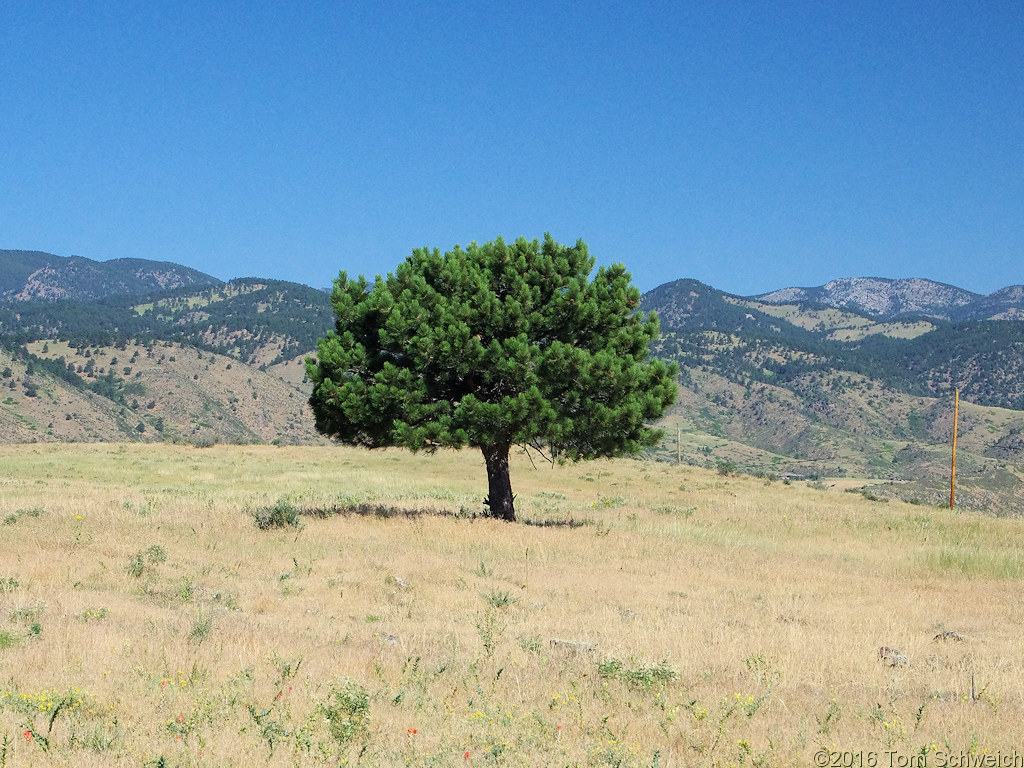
column 548, row 523
column 387, row 511
column 384, row 511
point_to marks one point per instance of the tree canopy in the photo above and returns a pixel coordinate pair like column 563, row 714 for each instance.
column 493, row 346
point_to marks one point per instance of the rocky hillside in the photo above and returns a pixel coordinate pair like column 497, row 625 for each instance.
column 222, row 363
column 149, row 392
column 884, row 298
column 28, row 275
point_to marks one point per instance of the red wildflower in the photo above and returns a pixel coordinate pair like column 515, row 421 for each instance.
column 28, row 734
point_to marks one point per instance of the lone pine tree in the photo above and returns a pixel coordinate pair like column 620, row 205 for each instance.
column 492, row 346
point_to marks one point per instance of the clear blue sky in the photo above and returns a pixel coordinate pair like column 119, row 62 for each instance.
column 750, row 145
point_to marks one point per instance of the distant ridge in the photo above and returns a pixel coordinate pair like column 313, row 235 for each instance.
column 887, row 299
column 880, row 297
column 27, row 275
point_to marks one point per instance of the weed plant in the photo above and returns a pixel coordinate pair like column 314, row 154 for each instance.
column 281, row 515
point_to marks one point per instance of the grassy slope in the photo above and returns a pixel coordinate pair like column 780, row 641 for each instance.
column 200, row 396
column 854, row 428
column 733, row 620
column 839, row 325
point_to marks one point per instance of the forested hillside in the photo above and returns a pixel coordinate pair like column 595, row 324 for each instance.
column 247, row 319
column 218, row 363
column 748, row 341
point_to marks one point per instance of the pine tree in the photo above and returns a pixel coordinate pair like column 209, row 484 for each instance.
column 492, row 346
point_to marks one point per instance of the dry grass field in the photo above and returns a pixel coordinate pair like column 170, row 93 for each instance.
column 146, row 620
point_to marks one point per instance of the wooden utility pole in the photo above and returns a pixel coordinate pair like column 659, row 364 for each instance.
column 952, row 474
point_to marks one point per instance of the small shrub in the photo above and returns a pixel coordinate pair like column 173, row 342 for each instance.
column 490, row 627
column 271, row 730
column 530, row 643
column 13, row 517
column 201, row 628
column 227, row 599
column 467, row 513
column 152, row 555
column 868, row 494
column 186, row 591
column 638, row 674
column 726, row 467
column 27, row 613
column 281, row 515
column 8, row 584
column 137, row 565
column 497, row 599
column 347, row 710
column 684, row 512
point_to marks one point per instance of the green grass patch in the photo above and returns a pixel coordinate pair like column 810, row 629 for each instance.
column 975, row 563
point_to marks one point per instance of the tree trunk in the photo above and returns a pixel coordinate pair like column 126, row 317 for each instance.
column 499, row 486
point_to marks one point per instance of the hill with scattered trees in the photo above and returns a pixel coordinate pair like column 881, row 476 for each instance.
column 812, row 390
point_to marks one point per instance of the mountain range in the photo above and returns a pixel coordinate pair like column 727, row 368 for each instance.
column 850, row 381
column 892, row 299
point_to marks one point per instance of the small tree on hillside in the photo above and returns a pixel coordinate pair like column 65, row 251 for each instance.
column 493, row 346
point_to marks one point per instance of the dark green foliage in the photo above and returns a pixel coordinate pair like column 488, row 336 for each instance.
column 493, row 346
column 637, row 673
column 138, row 563
column 347, row 710
column 281, row 515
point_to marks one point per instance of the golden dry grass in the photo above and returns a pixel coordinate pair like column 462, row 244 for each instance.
column 718, row 620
